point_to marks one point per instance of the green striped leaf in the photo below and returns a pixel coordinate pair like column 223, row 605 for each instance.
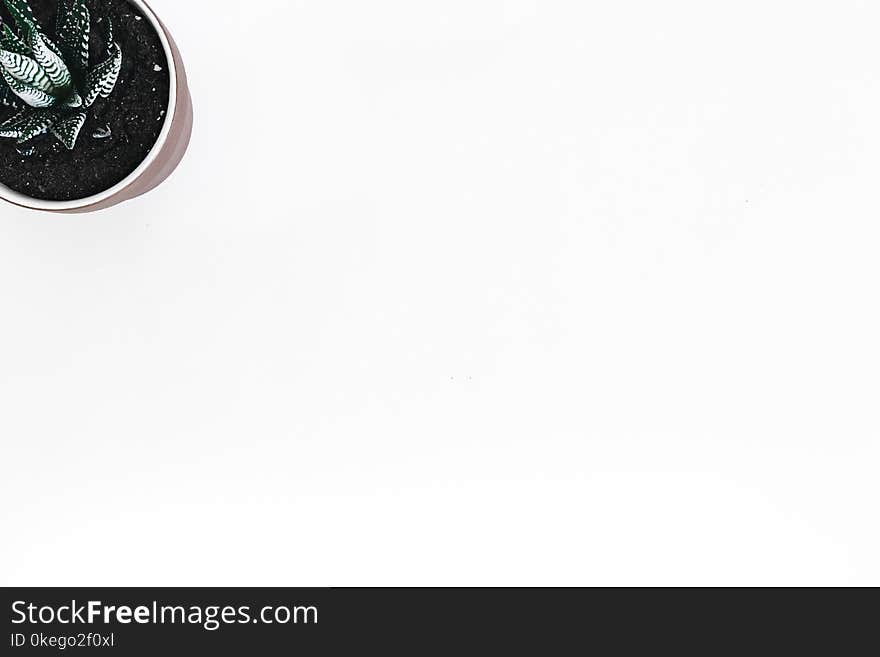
column 8, row 41
column 51, row 44
column 22, row 14
column 38, row 124
column 109, row 37
column 67, row 131
column 7, row 97
column 73, row 29
column 24, row 69
column 15, row 119
column 55, row 68
column 101, row 80
column 31, row 95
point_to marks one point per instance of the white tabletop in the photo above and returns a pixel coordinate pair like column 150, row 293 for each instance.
column 466, row 292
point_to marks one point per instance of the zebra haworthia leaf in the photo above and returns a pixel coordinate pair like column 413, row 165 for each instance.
column 22, row 14
column 7, row 97
column 73, row 33
column 39, row 123
column 14, row 119
column 68, row 130
column 108, row 35
column 10, row 127
column 102, row 79
column 55, row 68
column 47, row 86
column 24, row 69
column 8, row 41
column 30, row 95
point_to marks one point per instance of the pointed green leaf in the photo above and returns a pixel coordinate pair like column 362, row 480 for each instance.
column 24, row 69
column 36, row 125
column 7, row 96
column 55, row 68
column 8, row 41
column 109, row 39
column 16, row 118
column 22, row 14
column 101, row 80
column 73, row 31
column 68, row 130
column 49, row 43
column 31, row 95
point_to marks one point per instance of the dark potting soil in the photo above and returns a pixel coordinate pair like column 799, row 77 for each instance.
column 120, row 130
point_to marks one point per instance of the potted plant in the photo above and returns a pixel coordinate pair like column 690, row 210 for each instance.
column 94, row 111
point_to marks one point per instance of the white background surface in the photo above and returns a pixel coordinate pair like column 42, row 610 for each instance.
column 467, row 292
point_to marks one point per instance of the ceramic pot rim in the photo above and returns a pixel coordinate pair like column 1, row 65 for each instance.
column 26, row 201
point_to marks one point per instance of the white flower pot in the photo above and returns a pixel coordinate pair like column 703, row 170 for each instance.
column 162, row 159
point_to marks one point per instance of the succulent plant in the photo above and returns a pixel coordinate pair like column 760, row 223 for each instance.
column 50, row 87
